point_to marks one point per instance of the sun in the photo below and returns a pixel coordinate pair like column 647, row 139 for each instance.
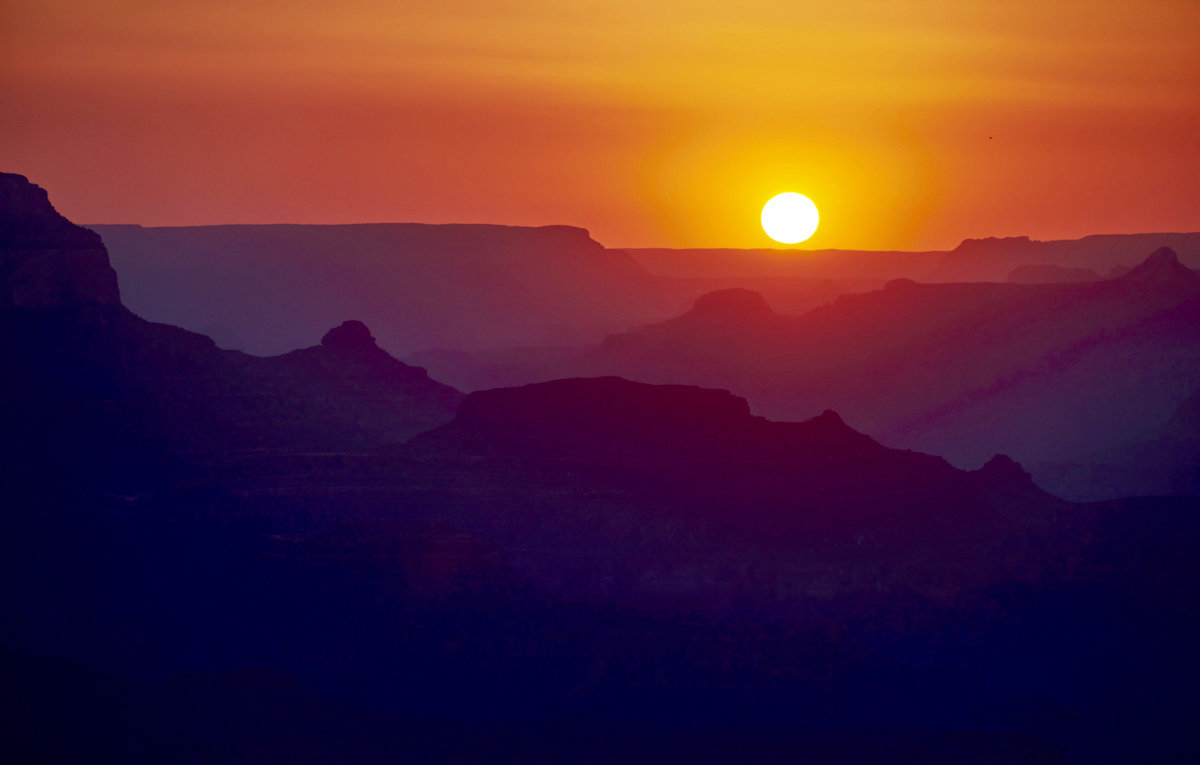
column 789, row 218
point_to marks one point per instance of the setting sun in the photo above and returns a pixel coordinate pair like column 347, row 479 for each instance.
column 790, row 218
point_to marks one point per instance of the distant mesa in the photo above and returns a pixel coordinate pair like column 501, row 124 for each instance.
column 731, row 305
column 606, row 418
column 988, row 243
column 46, row 260
column 601, row 403
column 418, row 286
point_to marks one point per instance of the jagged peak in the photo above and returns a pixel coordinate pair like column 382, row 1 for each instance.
column 1003, row 465
column 1161, row 267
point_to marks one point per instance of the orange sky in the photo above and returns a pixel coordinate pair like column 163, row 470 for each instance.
column 912, row 124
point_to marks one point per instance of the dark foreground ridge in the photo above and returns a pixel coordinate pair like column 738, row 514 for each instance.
column 45, row 260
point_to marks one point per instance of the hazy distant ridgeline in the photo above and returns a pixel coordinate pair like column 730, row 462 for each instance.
column 1037, row 371
column 994, row 259
column 797, row 263
column 974, row 260
column 268, row 289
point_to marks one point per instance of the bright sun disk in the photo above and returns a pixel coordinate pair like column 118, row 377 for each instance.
column 789, row 218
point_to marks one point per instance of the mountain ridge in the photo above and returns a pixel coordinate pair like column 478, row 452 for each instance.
column 45, row 259
column 145, row 398
column 914, row 363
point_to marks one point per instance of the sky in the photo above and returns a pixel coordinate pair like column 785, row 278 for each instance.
column 912, row 124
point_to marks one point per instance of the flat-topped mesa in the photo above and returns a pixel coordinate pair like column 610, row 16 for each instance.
column 599, row 416
column 575, row 235
column 736, row 304
column 989, row 243
column 602, row 400
column 46, row 261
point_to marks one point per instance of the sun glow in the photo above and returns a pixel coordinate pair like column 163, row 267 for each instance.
column 789, row 218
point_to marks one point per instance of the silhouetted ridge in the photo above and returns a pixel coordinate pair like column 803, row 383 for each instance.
column 600, row 416
column 29, row 222
column 46, row 260
column 829, row 418
column 1161, row 267
column 418, row 286
column 1003, row 466
column 685, row 455
column 601, row 402
column 349, row 362
column 988, row 243
column 119, row 399
column 609, row 418
column 350, row 335
column 731, row 305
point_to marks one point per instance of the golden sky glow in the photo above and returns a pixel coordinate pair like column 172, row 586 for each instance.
column 912, row 124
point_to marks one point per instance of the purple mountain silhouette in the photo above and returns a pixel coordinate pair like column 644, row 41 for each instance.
column 101, row 387
column 45, row 260
column 1040, row 371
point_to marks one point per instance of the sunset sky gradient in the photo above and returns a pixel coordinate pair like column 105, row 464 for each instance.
column 912, row 124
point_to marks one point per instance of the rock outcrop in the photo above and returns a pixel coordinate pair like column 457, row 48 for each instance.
column 46, row 261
